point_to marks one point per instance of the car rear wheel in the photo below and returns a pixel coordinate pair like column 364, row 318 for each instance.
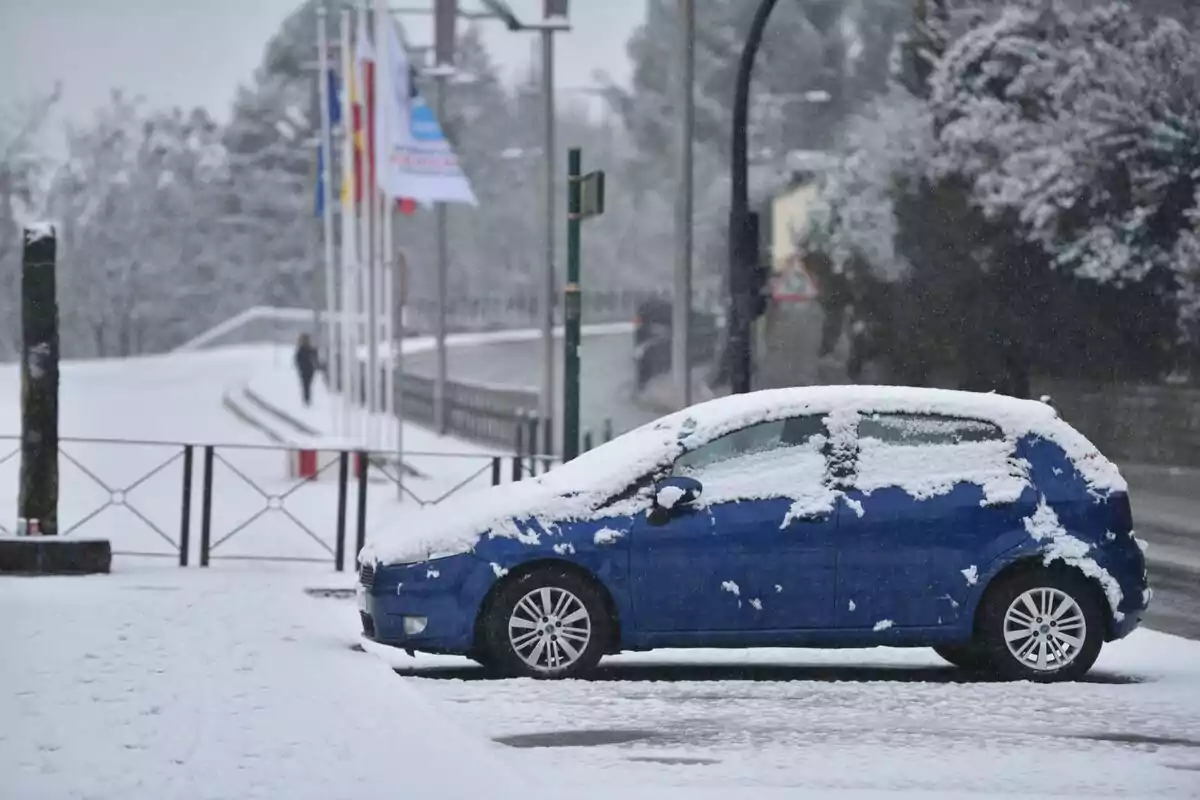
column 548, row 623
column 1042, row 624
column 969, row 657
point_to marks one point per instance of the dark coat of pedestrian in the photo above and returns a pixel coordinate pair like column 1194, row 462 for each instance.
column 307, row 363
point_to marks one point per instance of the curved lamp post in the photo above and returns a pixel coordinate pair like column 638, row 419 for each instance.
column 741, row 246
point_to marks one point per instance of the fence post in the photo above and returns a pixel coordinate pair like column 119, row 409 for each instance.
column 495, row 470
column 360, row 528
column 339, row 556
column 206, row 505
column 608, row 429
column 587, row 440
column 533, row 443
column 185, row 521
column 516, row 467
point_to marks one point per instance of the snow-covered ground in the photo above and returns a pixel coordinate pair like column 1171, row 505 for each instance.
column 159, row 682
column 163, row 682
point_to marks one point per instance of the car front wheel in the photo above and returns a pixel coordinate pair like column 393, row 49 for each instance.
column 1042, row 624
column 548, row 623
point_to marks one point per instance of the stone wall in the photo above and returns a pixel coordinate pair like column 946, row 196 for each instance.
column 1132, row 423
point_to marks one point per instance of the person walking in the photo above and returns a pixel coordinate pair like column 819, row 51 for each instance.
column 306, row 365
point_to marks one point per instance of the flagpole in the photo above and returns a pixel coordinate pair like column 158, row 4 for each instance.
column 349, row 250
column 389, row 332
column 384, row 91
column 366, row 256
column 400, row 267
column 326, row 198
column 383, row 218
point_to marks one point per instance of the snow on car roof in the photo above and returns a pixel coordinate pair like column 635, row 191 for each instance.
column 711, row 418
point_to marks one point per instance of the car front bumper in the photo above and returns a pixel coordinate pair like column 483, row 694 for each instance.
column 439, row 602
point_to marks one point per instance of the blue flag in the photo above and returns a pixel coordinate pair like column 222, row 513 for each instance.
column 335, row 106
column 335, row 118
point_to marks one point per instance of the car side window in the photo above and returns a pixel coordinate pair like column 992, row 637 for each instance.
column 807, row 433
column 926, row 452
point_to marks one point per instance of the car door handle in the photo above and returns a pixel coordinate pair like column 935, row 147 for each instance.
column 813, row 516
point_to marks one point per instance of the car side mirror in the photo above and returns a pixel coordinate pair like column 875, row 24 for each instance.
column 676, row 492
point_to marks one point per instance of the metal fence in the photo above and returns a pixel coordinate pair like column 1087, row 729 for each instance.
column 204, row 503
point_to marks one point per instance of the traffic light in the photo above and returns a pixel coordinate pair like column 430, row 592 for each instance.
column 759, row 279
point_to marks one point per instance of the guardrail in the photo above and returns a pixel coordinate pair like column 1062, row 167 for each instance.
column 205, row 503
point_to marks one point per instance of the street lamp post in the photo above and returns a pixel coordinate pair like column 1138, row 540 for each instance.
column 554, row 19
column 741, row 248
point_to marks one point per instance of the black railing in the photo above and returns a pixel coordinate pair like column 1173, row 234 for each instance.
column 478, row 412
column 256, row 502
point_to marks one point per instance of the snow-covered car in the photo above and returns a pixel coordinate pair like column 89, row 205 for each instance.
column 983, row 526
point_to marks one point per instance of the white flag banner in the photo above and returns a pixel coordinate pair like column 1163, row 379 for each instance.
column 416, row 160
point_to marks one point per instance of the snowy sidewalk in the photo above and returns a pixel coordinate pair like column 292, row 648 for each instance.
column 187, row 684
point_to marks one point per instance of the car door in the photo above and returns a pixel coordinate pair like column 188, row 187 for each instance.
column 931, row 501
column 756, row 552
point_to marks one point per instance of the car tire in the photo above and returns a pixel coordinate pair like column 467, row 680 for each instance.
column 547, row 623
column 1023, row 640
column 970, row 657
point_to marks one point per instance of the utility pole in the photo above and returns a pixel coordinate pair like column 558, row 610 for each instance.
column 554, row 20
column 446, row 15
column 681, row 312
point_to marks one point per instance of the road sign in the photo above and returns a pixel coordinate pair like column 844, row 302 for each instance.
column 592, row 199
column 793, row 282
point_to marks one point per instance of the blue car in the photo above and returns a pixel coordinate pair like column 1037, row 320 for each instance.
column 980, row 525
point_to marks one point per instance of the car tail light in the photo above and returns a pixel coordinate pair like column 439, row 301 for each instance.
column 1121, row 519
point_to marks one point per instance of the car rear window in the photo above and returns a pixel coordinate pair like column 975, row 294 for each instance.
column 925, row 429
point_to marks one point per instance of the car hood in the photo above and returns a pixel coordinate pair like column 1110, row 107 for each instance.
column 571, row 491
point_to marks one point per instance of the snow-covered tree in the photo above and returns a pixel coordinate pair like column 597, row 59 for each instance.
column 1083, row 129
column 1045, row 221
column 819, row 60
column 137, row 210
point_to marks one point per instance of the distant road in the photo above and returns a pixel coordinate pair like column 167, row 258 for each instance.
column 607, row 375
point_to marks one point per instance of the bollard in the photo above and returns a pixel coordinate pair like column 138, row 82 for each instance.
column 360, row 528
column 495, row 470
column 587, row 439
column 339, row 556
column 608, row 429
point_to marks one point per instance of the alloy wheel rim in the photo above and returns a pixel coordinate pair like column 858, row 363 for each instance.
column 549, row 629
column 1044, row 629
